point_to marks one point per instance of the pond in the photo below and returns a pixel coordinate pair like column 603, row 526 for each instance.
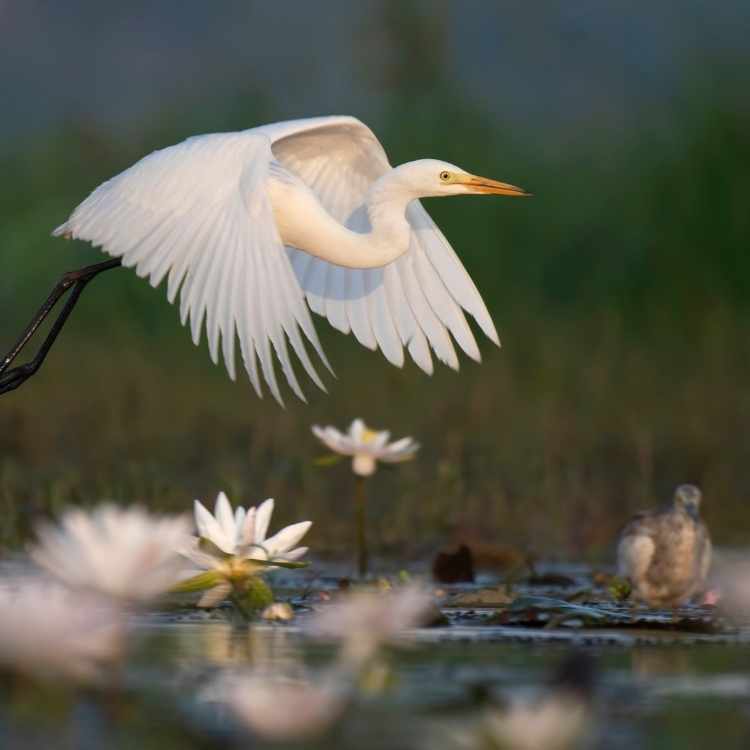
column 656, row 686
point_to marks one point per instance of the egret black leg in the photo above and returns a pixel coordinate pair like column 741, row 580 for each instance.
column 73, row 281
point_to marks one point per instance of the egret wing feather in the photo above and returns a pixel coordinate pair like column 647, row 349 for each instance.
column 450, row 269
column 199, row 212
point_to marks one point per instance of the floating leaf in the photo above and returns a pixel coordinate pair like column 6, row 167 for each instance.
column 497, row 596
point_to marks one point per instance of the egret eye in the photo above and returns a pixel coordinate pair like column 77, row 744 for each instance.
column 445, row 176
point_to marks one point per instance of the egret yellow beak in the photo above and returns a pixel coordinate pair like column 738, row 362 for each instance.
column 486, row 186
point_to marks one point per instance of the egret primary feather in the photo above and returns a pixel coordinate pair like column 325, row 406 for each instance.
column 253, row 227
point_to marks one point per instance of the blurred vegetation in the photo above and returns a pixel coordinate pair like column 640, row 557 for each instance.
column 620, row 292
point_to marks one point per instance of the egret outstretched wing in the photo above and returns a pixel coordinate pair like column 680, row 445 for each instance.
column 199, row 212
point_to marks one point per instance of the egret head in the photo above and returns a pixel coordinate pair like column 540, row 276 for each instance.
column 433, row 178
column 688, row 497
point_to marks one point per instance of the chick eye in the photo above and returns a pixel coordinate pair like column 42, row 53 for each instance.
column 445, row 176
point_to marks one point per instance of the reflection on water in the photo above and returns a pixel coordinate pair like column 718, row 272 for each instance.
column 264, row 648
column 657, row 662
column 646, row 697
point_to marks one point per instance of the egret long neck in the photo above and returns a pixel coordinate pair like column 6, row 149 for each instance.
column 304, row 223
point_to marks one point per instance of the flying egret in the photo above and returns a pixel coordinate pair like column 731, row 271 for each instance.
column 666, row 552
column 249, row 225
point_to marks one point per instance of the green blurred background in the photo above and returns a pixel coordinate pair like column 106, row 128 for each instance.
column 620, row 290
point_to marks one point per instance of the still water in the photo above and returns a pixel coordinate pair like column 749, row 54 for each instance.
column 653, row 689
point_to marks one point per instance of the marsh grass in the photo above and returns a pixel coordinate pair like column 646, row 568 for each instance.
column 620, row 292
column 536, row 446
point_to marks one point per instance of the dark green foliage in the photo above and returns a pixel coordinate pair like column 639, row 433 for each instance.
column 620, row 292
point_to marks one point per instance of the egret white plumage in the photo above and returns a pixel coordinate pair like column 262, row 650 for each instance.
column 249, row 225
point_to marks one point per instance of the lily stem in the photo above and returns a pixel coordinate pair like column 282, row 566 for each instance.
column 361, row 503
column 240, row 607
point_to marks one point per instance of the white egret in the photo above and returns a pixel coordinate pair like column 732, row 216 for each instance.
column 248, row 225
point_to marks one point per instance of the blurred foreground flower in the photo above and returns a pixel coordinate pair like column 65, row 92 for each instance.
column 125, row 553
column 555, row 723
column 559, row 717
column 366, row 447
column 49, row 632
column 231, row 551
column 283, row 709
column 366, row 620
column 732, row 592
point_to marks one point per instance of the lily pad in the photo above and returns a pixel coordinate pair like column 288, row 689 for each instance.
column 497, row 596
column 549, row 612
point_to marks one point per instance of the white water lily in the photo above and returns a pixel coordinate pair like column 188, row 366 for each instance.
column 233, row 547
column 50, row 632
column 125, row 553
column 365, row 620
column 243, row 532
column 366, row 446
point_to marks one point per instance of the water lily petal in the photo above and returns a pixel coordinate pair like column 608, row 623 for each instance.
column 398, row 457
column 402, row 450
column 246, row 533
column 295, row 554
column 357, row 430
column 332, row 438
column 239, row 520
column 287, row 538
column 209, row 528
column 225, row 518
column 215, row 596
column 193, row 552
column 262, row 519
column 406, row 443
column 380, row 439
